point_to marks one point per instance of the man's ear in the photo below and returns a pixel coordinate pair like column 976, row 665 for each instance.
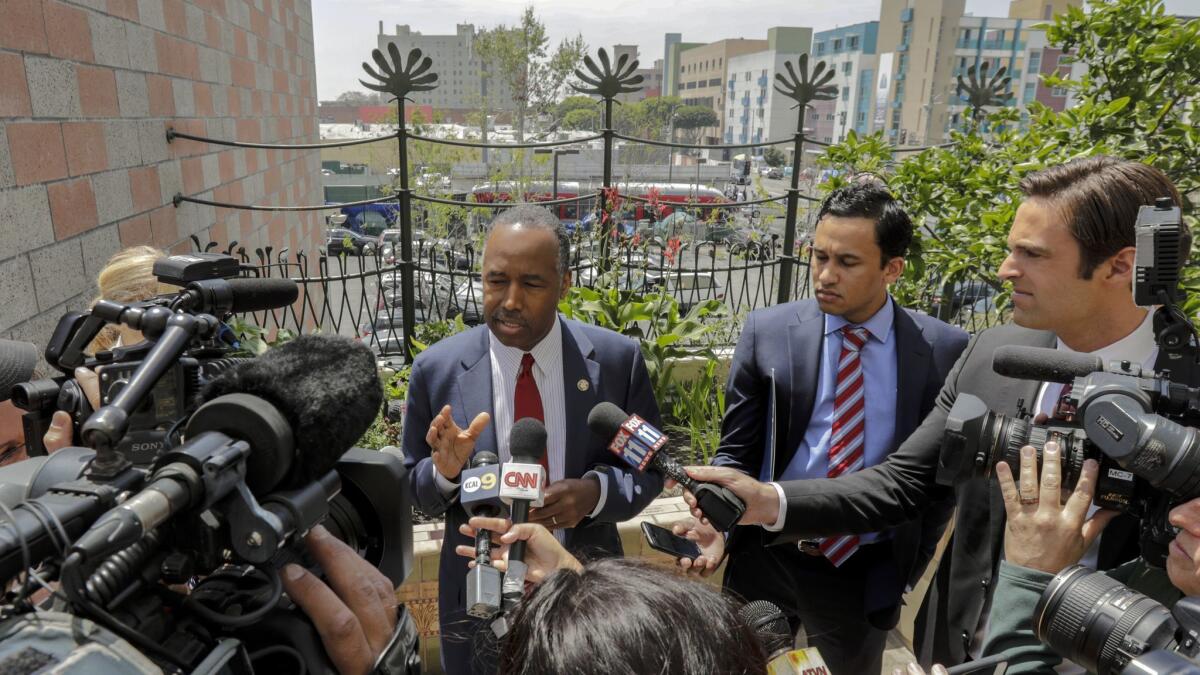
column 1121, row 264
column 892, row 270
column 566, row 285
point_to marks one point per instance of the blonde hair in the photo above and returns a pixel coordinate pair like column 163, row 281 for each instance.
column 127, row 277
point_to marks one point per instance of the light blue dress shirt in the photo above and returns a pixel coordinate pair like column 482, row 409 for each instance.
column 878, row 357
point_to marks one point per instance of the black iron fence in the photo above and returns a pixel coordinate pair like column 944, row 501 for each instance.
column 744, row 254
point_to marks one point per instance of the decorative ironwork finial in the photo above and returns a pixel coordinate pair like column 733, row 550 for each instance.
column 980, row 91
column 399, row 79
column 606, row 81
column 806, row 87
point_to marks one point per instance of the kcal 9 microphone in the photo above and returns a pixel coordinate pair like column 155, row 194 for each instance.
column 636, row 441
column 480, row 496
column 521, row 483
column 1044, row 364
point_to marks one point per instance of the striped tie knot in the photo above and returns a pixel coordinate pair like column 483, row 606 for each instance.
column 854, row 337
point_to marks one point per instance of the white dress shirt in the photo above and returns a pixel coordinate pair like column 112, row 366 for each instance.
column 548, row 375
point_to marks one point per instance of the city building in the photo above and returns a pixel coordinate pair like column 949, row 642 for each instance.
column 754, row 111
column 851, row 52
column 461, row 85
column 652, row 80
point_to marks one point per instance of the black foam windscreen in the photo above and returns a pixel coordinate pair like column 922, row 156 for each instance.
column 605, row 419
column 484, row 458
column 1043, row 363
column 770, row 624
column 527, row 440
column 327, row 388
column 255, row 295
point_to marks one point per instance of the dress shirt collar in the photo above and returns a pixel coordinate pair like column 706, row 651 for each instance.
column 1137, row 347
column 879, row 325
column 546, row 352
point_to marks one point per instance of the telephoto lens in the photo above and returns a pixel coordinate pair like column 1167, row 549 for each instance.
column 1095, row 621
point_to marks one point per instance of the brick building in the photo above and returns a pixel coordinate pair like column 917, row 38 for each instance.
column 87, row 92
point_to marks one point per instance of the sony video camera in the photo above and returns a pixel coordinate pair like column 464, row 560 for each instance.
column 1095, row 621
column 206, row 278
column 1140, row 426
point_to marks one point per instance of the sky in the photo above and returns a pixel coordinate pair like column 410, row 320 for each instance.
column 344, row 31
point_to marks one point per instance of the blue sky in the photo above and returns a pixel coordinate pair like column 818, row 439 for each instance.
column 345, row 30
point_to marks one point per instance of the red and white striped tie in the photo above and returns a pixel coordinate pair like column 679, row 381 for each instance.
column 849, row 430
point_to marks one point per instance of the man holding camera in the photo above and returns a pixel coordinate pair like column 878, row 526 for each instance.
column 1070, row 267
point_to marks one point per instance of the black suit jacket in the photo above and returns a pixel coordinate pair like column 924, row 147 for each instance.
column 904, row 486
column 770, row 397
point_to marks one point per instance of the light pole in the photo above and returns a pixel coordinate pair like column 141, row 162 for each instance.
column 556, row 152
column 671, row 149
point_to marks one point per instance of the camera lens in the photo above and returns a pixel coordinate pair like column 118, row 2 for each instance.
column 1095, row 621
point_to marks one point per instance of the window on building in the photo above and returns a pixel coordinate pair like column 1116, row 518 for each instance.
column 847, row 67
column 820, row 48
column 862, row 116
column 966, row 35
column 747, row 78
column 845, row 93
column 1035, row 61
column 1030, row 90
column 896, row 117
column 906, row 33
column 853, row 42
column 837, row 45
column 764, row 72
column 829, row 139
column 1058, row 91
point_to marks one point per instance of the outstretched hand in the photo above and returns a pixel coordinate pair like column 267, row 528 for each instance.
column 451, row 444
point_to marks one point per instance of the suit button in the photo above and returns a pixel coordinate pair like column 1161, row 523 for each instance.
column 966, row 638
column 985, row 582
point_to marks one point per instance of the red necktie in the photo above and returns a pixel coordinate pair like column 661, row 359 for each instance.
column 849, row 430
column 527, row 402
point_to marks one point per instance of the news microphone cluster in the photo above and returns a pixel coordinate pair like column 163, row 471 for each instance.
column 640, row 445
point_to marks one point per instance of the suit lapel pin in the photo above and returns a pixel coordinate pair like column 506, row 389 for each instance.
column 582, row 384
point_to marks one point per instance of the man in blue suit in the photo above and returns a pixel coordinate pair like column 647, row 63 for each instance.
column 823, row 388
column 466, row 391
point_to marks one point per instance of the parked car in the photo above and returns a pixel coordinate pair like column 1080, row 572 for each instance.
column 965, row 292
column 775, row 173
column 690, row 289
column 468, row 301
column 340, row 240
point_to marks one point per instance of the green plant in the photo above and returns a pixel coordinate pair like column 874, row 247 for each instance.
column 253, row 341
column 653, row 319
column 697, row 408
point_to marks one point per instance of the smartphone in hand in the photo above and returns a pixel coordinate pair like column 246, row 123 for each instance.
column 662, row 539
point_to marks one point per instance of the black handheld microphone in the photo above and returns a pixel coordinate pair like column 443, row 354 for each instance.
column 770, row 625
column 521, row 483
column 480, row 496
column 636, row 441
column 1044, row 364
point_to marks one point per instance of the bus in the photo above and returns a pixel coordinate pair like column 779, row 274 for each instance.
column 540, row 191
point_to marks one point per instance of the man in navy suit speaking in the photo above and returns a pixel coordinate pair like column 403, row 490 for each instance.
column 466, row 391
column 822, row 388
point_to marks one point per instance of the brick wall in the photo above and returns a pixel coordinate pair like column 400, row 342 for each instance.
column 88, row 89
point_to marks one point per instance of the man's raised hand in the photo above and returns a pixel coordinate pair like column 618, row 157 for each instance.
column 451, row 444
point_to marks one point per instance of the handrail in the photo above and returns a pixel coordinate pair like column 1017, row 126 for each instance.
column 172, row 134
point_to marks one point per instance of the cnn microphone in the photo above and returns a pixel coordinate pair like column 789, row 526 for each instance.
column 480, row 496
column 521, row 483
column 636, row 441
column 1044, row 364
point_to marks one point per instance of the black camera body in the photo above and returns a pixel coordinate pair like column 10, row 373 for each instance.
column 173, row 396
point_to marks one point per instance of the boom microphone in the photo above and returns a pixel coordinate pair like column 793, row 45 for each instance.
column 235, row 296
column 634, row 440
column 521, row 485
column 325, row 387
column 1044, row 364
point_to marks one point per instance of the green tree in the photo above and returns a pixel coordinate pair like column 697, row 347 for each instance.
column 693, row 118
column 774, row 157
column 582, row 119
column 520, row 57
